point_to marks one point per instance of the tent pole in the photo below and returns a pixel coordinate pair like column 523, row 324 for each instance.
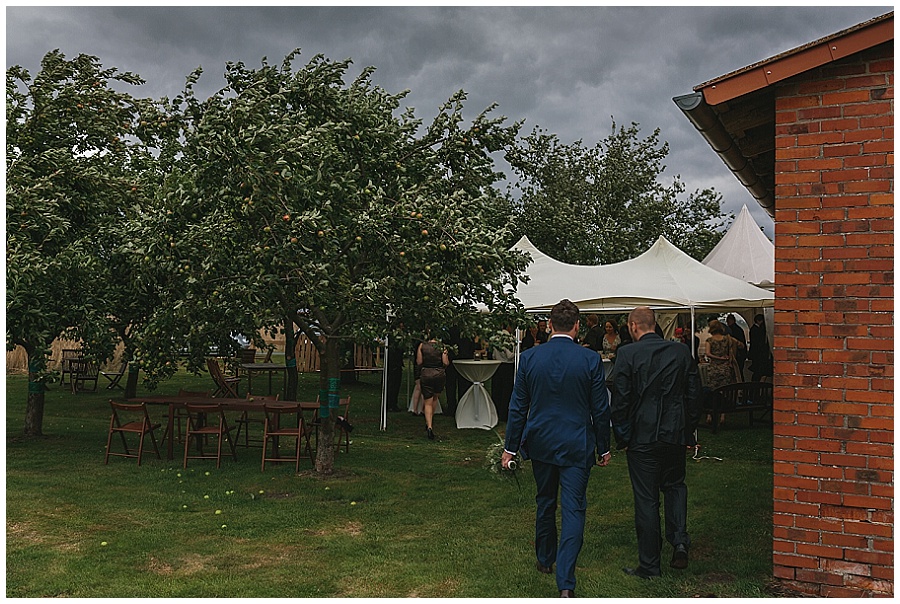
column 518, row 351
column 693, row 329
column 384, row 380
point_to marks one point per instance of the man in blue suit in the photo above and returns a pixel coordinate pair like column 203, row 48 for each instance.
column 559, row 417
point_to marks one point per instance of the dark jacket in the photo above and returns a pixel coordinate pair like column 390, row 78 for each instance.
column 559, row 406
column 655, row 393
column 593, row 339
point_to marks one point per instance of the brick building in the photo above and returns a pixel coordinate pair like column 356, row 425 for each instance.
column 810, row 134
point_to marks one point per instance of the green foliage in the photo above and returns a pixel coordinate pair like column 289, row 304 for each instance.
column 607, row 203
column 74, row 164
column 299, row 196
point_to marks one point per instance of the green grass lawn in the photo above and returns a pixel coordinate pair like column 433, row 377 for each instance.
column 401, row 516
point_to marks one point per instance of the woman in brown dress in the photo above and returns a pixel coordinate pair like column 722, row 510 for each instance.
column 432, row 378
column 720, row 350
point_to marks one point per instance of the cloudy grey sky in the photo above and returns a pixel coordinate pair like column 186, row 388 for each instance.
column 571, row 71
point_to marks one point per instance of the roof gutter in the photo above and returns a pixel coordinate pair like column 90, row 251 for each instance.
column 707, row 123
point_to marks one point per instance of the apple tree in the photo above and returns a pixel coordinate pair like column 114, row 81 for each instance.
column 310, row 204
column 71, row 156
column 608, row 203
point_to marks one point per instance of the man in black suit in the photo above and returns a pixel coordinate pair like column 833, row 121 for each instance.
column 395, row 364
column 655, row 410
column 559, row 416
column 760, row 353
column 737, row 332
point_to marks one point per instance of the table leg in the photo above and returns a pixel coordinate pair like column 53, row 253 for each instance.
column 170, row 430
column 270, row 381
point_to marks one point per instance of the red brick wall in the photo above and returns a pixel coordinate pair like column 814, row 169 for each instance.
column 834, row 360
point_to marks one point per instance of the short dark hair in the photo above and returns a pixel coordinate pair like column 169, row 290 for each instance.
column 564, row 315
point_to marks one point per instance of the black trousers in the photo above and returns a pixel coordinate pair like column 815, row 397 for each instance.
column 502, row 389
column 654, row 468
column 394, row 379
column 456, row 386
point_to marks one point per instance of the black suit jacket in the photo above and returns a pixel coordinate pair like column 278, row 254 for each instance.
column 655, row 393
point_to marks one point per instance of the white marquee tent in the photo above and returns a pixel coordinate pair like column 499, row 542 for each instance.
column 745, row 252
column 663, row 277
column 550, row 279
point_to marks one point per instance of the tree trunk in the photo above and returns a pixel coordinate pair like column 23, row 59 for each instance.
column 329, row 396
column 132, row 380
column 290, row 361
column 34, row 409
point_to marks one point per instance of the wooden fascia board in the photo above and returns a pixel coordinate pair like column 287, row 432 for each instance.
column 786, row 66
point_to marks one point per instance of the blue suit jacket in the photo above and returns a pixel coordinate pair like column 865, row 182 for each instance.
column 560, row 406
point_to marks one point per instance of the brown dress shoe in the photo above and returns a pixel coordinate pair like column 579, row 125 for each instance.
column 567, row 593
column 544, row 569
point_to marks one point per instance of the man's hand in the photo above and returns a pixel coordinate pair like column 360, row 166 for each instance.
column 604, row 460
column 504, row 461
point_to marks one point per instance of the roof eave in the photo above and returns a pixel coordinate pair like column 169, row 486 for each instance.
column 707, row 123
column 698, row 106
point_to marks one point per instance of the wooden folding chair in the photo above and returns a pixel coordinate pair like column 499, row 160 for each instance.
column 83, row 371
column 226, row 386
column 181, row 414
column 114, row 376
column 130, row 419
column 274, row 429
column 244, row 421
column 343, row 424
column 199, row 425
column 65, row 363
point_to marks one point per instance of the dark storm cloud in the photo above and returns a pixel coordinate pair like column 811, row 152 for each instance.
column 569, row 70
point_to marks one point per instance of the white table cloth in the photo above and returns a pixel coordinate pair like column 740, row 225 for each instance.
column 476, row 409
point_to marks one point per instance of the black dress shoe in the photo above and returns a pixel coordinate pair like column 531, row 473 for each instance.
column 430, row 433
column 679, row 557
column 544, row 569
column 637, row 572
column 567, row 593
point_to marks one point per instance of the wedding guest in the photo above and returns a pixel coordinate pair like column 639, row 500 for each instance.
column 722, row 369
column 760, row 353
column 594, row 336
column 433, row 360
column 559, row 416
column 655, row 410
column 740, row 355
column 502, row 380
column 611, row 339
column 542, row 333
column 529, row 340
column 396, row 357
column 720, row 350
column 624, row 336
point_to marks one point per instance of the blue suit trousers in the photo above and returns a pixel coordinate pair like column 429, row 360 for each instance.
column 568, row 485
